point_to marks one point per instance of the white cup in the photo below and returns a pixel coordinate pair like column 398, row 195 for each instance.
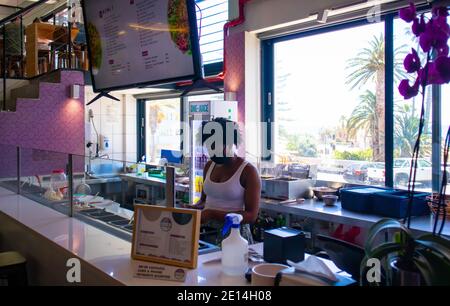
column 264, row 274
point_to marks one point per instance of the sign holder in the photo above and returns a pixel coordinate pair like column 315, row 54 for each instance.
column 166, row 235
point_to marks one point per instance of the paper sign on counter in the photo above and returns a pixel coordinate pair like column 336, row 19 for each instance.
column 159, row 272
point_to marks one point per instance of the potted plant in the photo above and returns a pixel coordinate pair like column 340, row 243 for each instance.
column 405, row 259
column 408, row 260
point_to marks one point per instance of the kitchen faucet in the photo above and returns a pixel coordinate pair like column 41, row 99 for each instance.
column 93, row 157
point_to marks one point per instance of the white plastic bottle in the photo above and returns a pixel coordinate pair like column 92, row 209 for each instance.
column 234, row 247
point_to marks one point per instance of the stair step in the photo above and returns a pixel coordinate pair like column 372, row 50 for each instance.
column 29, row 89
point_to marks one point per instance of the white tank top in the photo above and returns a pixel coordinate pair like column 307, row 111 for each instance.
column 225, row 196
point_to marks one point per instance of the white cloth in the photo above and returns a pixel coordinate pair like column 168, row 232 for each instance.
column 314, row 266
column 225, row 196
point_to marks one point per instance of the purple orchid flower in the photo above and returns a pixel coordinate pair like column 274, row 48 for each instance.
column 412, row 62
column 432, row 74
column 408, row 91
column 439, row 11
column 419, row 26
column 435, row 35
column 442, row 67
column 408, row 14
column 442, row 51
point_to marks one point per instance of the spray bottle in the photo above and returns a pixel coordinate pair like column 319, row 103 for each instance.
column 234, row 247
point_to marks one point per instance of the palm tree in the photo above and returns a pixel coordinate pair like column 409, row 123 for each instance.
column 369, row 66
column 365, row 117
column 406, row 130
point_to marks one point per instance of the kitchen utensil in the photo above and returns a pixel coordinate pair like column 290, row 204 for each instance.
column 284, row 188
column 264, row 274
column 83, row 188
column 319, row 192
column 329, row 199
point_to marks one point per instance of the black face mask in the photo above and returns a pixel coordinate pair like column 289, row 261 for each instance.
column 221, row 160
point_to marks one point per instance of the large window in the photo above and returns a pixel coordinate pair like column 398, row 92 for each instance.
column 329, row 103
column 407, row 114
column 325, row 94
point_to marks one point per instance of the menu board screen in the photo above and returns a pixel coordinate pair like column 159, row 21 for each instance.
column 141, row 42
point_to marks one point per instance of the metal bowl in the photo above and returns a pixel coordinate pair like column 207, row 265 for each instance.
column 319, row 192
column 329, row 199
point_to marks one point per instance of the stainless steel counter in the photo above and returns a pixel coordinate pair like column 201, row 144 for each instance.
column 317, row 210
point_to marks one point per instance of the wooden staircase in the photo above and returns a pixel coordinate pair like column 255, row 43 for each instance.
column 28, row 88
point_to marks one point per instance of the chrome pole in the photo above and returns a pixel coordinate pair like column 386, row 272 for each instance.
column 70, row 172
column 170, row 187
column 18, row 169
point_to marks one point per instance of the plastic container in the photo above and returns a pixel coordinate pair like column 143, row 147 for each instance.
column 234, row 247
column 360, row 199
column 58, row 180
column 395, row 204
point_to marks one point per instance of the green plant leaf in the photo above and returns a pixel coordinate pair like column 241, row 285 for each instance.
column 382, row 225
column 434, row 269
column 385, row 249
column 380, row 252
column 435, row 247
column 436, row 243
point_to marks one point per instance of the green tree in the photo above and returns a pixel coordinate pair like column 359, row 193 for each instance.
column 365, row 117
column 369, row 66
column 305, row 145
column 406, row 130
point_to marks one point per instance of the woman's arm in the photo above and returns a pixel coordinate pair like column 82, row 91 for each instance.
column 251, row 182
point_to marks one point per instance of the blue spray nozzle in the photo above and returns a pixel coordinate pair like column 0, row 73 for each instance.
column 231, row 221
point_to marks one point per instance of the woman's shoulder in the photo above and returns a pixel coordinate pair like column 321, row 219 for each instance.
column 250, row 169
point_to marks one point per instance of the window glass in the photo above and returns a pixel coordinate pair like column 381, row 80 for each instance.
column 329, row 103
column 163, row 127
column 407, row 114
column 211, row 18
column 445, row 111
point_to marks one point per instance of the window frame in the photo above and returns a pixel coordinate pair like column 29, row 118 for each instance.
column 142, row 124
column 268, row 94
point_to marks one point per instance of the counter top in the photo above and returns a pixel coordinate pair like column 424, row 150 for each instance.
column 317, row 210
column 109, row 254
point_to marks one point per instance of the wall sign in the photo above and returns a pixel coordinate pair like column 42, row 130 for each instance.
column 166, row 235
column 199, row 108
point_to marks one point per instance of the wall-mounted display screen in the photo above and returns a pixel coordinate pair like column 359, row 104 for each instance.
column 133, row 43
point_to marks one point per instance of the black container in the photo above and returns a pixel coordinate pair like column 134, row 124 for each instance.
column 282, row 244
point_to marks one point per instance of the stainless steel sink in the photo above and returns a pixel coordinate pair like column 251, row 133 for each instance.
column 104, row 176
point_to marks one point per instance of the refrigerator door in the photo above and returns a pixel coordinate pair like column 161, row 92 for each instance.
column 199, row 158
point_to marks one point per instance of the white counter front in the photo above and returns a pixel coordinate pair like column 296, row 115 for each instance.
column 103, row 253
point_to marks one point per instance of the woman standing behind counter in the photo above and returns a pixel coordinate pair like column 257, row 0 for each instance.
column 231, row 184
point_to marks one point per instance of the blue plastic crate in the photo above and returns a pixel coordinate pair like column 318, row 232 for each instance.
column 395, row 204
column 360, row 199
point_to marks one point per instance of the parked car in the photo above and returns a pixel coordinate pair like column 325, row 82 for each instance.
column 356, row 173
column 402, row 168
column 376, row 173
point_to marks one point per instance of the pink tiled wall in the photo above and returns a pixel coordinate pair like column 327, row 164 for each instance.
column 54, row 122
column 235, row 74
